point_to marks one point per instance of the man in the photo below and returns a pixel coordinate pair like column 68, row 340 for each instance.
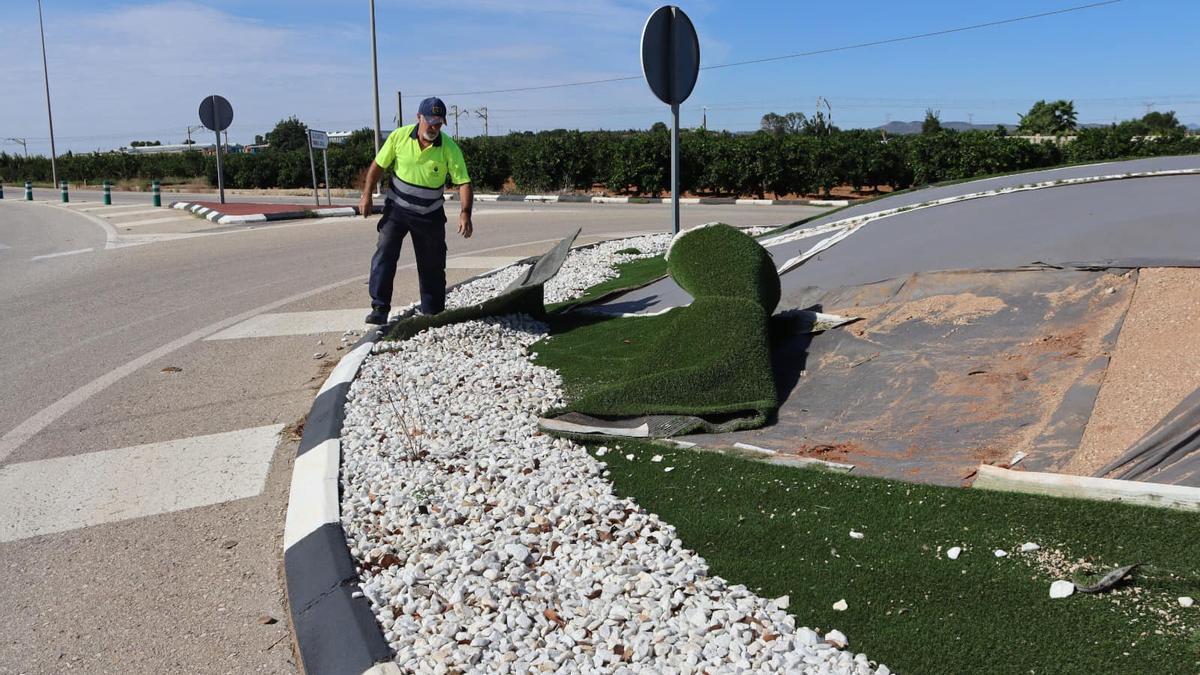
column 419, row 158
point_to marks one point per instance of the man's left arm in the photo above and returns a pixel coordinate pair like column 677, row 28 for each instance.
column 466, row 197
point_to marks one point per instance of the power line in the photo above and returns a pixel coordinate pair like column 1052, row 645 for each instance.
column 829, row 50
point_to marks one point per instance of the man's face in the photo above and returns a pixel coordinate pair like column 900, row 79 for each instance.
column 428, row 130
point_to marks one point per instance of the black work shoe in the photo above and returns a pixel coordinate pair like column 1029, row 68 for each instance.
column 378, row 316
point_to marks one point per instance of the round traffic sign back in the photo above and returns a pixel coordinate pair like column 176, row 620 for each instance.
column 216, row 113
column 670, row 54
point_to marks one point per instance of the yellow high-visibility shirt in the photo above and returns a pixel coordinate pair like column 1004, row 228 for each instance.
column 419, row 175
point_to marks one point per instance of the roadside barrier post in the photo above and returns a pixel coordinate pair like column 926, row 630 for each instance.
column 28, row 191
column 1, row 190
column 107, row 193
column 65, row 197
column 154, row 191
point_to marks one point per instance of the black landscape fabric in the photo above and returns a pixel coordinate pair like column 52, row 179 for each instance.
column 1168, row 453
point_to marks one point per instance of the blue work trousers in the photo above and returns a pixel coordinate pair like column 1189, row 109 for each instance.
column 429, row 246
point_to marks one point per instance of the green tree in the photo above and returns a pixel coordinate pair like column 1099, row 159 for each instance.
column 933, row 121
column 288, row 134
column 1162, row 123
column 1055, row 117
column 143, row 144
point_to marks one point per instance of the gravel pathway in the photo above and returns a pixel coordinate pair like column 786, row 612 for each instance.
column 487, row 546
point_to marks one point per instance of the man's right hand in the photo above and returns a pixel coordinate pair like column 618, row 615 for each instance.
column 364, row 205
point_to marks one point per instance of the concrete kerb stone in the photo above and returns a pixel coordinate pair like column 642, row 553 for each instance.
column 228, row 219
column 332, row 623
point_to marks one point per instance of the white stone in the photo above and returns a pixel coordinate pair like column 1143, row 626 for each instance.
column 837, row 638
column 840, row 606
column 953, row 552
column 856, row 535
column 782, row 602
column 1000, row 553
column 1186, row 601
column 668, row 469
column 656, row 458
column 1061, row 589
column 1029, row 546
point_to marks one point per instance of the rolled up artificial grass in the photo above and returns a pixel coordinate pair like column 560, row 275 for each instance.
column 710, row 360
column 786, row 531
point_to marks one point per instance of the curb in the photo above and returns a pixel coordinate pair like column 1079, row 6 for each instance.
column 228, row 219
column 332, row 623
column 587, row 199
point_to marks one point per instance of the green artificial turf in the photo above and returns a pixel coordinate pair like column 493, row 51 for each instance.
column 709, row 360
column 785, row 531
column 630, row 275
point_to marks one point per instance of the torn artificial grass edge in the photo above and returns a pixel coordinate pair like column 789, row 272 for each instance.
column 780, row 530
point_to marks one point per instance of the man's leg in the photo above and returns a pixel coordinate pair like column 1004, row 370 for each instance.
column 383, row 263
column 429, row 245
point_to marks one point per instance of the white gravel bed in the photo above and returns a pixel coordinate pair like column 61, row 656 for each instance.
column 486, row 546
column 587, row 267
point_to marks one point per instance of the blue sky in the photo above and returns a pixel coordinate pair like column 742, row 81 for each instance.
column 129, row 70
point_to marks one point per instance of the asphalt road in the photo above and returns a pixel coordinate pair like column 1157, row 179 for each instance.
column 1141, row 220
column 143, row 477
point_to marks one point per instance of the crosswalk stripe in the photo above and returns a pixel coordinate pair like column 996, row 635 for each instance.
column 62, row 253
column 294, row 323
column 132, row 213
column 157, row 221
column 112, row 208
column 67, row 493
column 480, row 262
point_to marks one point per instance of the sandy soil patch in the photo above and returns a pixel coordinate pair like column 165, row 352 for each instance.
column 1156, row 364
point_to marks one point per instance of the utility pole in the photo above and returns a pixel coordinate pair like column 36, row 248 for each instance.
column 1149, row 105
column 399, row 109
column 456, row 112
column 227, row 141
column 22, row 143
column 49, row 115
column 190, row 129
column 821, row 100
column 375, row 78
column 482, row 113
column 704, row 118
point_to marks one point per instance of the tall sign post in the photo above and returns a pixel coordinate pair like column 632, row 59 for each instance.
column 216, row 114
column 671, row 63
column 319, row 140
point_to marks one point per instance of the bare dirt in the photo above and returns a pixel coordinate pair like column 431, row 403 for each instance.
column 1156, row 365
column 959, row 309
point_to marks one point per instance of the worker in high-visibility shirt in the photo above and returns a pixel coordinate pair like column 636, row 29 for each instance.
column 419, row 157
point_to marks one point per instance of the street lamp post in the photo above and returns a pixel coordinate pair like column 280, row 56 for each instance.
column 375, row 79
column 49, row 115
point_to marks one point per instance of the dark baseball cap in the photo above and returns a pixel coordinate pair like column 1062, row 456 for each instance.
column 433, row 110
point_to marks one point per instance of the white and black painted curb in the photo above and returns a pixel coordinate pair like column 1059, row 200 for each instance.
column 333, row 625
column 588, row 199
column 228, row 219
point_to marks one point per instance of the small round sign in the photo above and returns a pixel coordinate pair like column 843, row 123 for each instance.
column 216, row 113
column 670, row 54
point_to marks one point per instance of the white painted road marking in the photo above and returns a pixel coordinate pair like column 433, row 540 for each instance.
column 479, row 262
column 294, row 323
column 157, row 221
column 4, row 246
column 122, row 214
column 61, row 254
column 112, row 208
column 67, row 493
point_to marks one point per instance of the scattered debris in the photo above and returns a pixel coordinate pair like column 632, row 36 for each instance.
column 668, row 469
column 1029, row 546
column 783, row 601
column 953, row 552
column 1061, row 589
column 228, row 543
column 319, row 355
column 1109, row 580
column 856, row 535
column 837, row 638
column 1016, row 458
column 656, row 458
column 267, row 620
column 172, row 369
column 1185, row 601
column 1000, row 553
column 629, row 457
column 840, row 605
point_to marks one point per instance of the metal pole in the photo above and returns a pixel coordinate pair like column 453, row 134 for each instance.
column 399, row 109
column 313, row 165
column 675, row 168
column 325, row 159
column 220, row 167
column 375, row 79
column 49, row 115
